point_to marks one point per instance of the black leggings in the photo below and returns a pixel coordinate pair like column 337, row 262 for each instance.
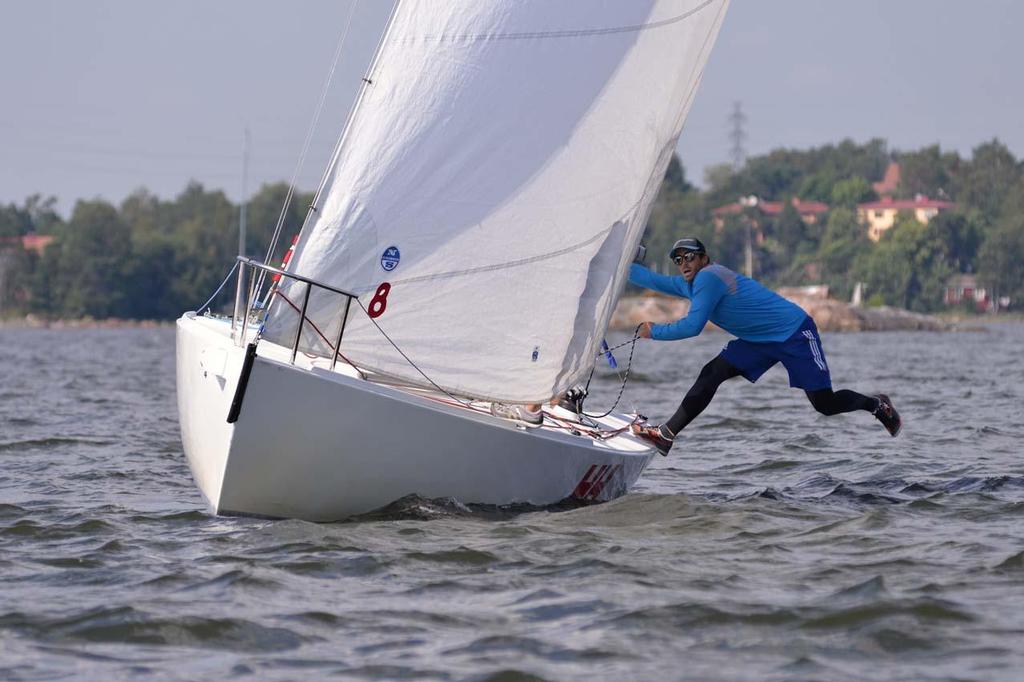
column 719, row 370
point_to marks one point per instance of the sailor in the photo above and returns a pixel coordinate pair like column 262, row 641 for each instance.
column 769, row 329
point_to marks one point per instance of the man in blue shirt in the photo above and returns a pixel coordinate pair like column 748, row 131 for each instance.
column 769, row 329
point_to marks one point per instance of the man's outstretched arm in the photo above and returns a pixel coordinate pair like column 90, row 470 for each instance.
column 642, row 277
column 707, row 292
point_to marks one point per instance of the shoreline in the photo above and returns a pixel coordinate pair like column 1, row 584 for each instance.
column 829, row 314
column 35, row 322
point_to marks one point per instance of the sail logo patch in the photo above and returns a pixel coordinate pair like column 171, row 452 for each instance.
column 390, row 258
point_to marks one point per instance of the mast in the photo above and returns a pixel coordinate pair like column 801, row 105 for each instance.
column 245, row 194
column 241, row 220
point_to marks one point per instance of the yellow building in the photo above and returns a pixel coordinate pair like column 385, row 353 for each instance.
column 880, row 215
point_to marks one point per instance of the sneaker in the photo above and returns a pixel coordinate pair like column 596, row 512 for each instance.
column 888, row 415
column 655, row 435
column 518, row 412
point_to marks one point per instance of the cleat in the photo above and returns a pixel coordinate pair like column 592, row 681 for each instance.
column 888, row 415
column 655, row 435
column 572, row 400
column 517, row 412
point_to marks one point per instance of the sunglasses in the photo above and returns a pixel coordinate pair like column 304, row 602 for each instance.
column 687, row 257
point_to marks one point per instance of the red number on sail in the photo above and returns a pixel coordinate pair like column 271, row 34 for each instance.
column 379, row 302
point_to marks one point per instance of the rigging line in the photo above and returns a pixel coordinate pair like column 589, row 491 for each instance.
column 408, row 359
column 230, row 272
column 622, row 388
column 577, row 33
column 624, row 343
column 309, row 138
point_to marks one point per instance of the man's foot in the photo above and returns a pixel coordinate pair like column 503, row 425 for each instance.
column 658, row 436
column 888, row 415
column 520, row 412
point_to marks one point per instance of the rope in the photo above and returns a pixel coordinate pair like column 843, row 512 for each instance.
column 409, row 360
column 207, row 304
column 622, row 388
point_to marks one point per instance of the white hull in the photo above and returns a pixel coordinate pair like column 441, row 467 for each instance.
column 320, row 445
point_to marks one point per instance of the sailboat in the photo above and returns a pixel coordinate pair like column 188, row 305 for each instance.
column 468, row 243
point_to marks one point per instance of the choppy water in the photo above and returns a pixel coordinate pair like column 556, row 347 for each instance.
column 772, row 544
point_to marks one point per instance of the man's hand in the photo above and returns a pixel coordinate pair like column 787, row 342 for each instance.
column 645, row 330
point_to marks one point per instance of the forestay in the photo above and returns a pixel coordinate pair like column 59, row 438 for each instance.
column 492, row 186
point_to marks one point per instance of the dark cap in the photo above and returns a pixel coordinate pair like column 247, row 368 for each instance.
column 688, row 244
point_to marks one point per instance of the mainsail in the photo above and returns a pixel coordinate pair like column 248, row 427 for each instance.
column 492, row 186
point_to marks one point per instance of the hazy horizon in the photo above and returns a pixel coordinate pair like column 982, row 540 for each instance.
column 115, row 95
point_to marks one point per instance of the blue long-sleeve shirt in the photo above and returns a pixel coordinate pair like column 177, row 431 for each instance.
column 737, row 304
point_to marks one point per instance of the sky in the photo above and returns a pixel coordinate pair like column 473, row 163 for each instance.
column 103, row 97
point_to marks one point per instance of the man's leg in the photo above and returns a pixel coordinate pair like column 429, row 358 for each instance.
column 700, row 394
column 830, row 402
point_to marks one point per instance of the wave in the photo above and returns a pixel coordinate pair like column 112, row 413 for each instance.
column 53, row 442
column 126, row 625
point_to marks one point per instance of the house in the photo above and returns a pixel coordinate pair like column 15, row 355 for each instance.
column 965, row 288
column 36, row 242
column 810, row 211
column 29, row 242
column 880, row 215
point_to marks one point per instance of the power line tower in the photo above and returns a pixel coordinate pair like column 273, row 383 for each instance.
column 737, row 135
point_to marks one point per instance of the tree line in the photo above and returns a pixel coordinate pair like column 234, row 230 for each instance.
column 150, row 258
column 145, row 259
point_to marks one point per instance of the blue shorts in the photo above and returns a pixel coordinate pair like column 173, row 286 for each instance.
column 801, row 354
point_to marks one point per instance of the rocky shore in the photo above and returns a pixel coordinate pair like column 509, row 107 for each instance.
column 829, row 314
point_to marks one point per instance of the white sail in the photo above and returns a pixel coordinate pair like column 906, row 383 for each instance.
column 492, row 186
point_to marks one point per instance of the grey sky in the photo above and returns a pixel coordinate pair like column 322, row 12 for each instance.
column 105, row 96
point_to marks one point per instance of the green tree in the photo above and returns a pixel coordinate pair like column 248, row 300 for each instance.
column 89, row 262
column 790, row 231
column 843, row 242
column 205, row 239
column 852, row 191
column 809, row 174
column 962, row 236
column 908, row 267
column 988, row 179
column 927, row 171
column 1000, row 258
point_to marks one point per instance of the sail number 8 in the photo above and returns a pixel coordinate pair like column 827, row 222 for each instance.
column 379, row 302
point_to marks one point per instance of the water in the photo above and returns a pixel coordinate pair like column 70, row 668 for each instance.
column 772, row 544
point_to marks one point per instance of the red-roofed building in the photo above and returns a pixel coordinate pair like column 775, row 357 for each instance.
column 810, row 211
column 29, row 242
column 965, row 289
column 880, row 215
column 36, row 242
